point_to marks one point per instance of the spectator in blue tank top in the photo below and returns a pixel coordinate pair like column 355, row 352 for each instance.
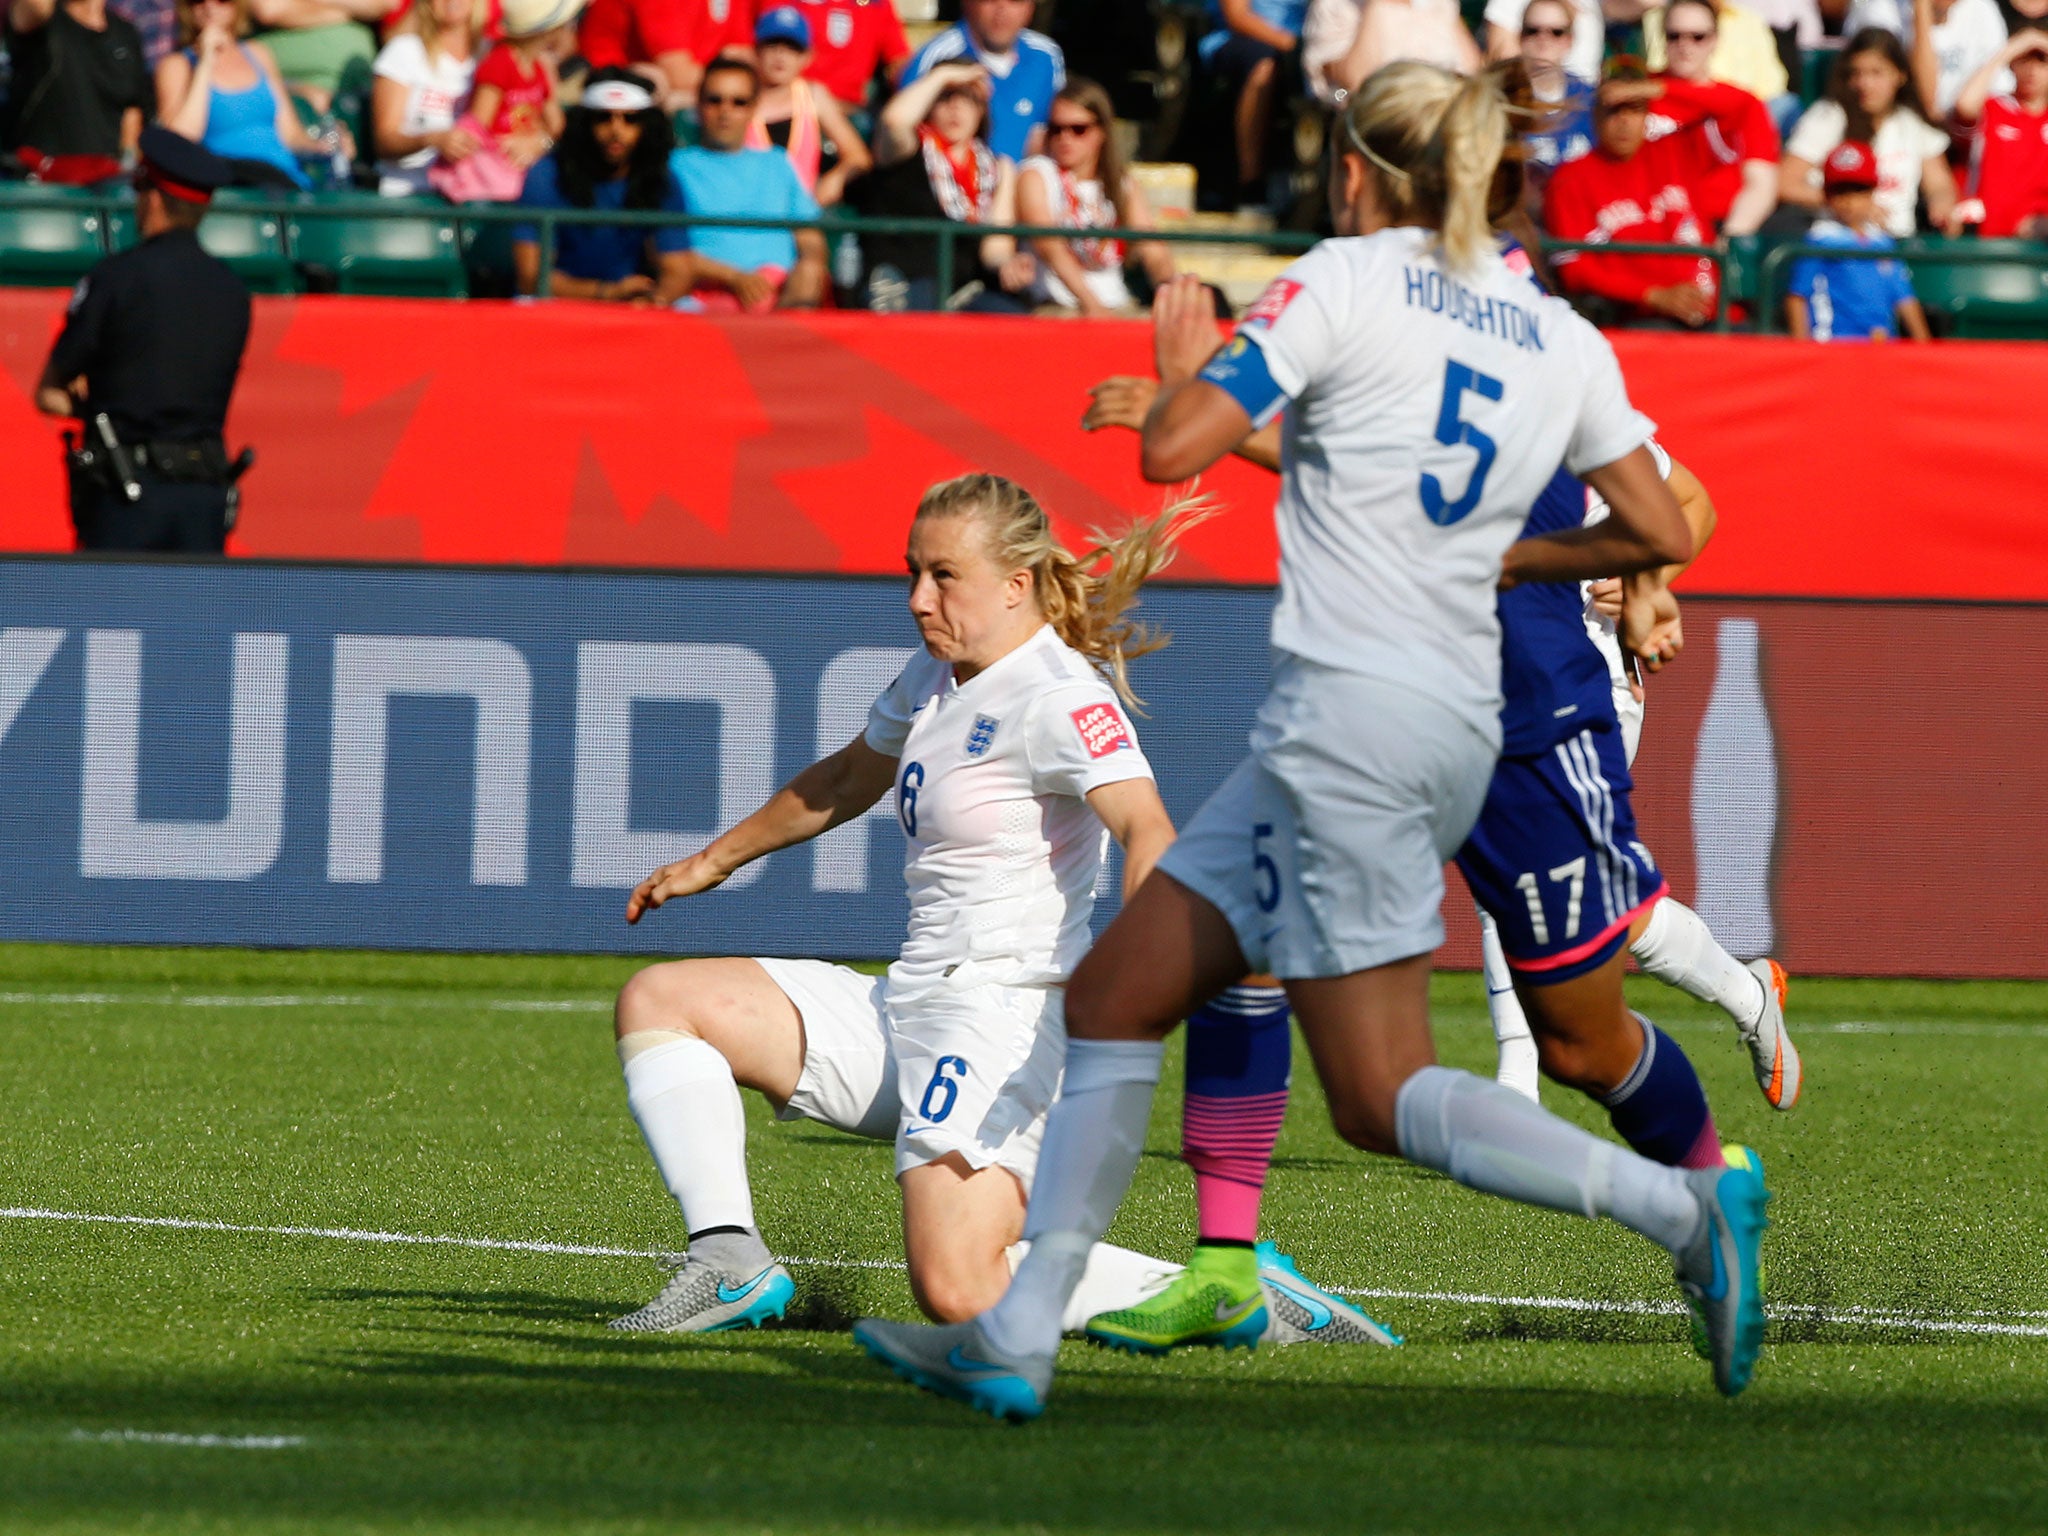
column 1025, row 70
column 1250, row 44
column 227, row 94
column 1852, row 298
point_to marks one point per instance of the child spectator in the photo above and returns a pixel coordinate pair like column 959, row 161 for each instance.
column 1631, row 188
column 1852, row 299
column 932, row 163
column 227, row 94
column 799, row 118
column 852, row 41
column 1025, row 69
column 1945, row 41
column 1080, row 183
column 721, row 175
column 514, row 112
column 423, row 79
column 2009, row 154
column 1870, row 98
column 79, row 94
column 614, row 153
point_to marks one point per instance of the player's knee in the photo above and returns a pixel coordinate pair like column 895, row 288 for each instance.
column 949, row 1291
column 1568, row 1061
column 650, row 1001
column 1364, row 1123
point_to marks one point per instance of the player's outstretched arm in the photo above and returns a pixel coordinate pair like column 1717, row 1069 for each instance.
column 1643, row 529
column 1137, row 819
column 830, row 791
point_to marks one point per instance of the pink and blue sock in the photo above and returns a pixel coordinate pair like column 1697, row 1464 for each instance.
column 1239, row 1057
column 1660, row 1108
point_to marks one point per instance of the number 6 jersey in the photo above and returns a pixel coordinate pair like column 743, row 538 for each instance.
column 1425, row 411
column 1002, row 849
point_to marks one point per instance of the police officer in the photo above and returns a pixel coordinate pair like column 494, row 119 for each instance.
column 146, row 363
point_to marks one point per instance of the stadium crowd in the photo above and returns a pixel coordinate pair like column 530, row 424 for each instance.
column 1679, row 124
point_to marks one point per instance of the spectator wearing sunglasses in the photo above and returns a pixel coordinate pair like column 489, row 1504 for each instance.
column 721, row 174
column 1565, row 131
column 1588, row 40
column 1080, row 183
column 1632, row 189
column 1730, row 43
column 613, row 155
column 1741, row 194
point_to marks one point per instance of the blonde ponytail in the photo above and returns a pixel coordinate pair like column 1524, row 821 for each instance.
column 1434, row 143
column 1084, row 597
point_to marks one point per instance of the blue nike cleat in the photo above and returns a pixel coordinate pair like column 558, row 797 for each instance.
column 956, row 1360
column 1721, row 1270
column 701, row 1299
column 1304, row 1313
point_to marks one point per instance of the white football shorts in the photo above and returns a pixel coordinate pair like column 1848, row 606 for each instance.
column 1325, row 848
column 971, row 1069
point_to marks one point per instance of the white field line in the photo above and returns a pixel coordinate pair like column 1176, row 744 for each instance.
column 220, row 1442
column 2001, row 1323
column 1962, row 1026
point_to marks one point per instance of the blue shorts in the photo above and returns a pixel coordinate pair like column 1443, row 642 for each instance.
column 1555, row 860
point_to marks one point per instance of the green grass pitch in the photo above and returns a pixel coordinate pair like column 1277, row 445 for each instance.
column 178, row 1378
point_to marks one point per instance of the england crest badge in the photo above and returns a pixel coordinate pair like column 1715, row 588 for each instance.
column 982, row 735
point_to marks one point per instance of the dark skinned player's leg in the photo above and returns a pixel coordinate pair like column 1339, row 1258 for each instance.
column 1587, row 1038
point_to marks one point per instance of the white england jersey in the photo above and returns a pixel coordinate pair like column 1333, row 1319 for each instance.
column 1425, row 412
column 1002, row 850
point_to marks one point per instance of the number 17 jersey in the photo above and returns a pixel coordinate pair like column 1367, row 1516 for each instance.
column 1426, row 409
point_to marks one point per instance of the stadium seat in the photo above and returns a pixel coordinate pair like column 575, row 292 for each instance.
column 387, row 252
column 49, row 247
column 251, row 243
column 1987, row 299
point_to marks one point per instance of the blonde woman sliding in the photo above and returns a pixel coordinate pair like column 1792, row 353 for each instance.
column 1009, row 753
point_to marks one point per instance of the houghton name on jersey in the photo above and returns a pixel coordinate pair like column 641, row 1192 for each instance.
column 1425, row 410
column 1002, row 851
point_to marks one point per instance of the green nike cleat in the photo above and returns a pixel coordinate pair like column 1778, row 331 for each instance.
column 1216, row 1301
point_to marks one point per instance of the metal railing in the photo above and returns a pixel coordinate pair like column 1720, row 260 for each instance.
column 946, row 233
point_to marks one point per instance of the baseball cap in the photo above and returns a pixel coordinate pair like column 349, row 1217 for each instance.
column 784, row 24
column 1850, row 163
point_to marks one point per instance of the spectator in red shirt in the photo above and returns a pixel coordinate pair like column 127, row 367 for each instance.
column 668, row 41
column 852, row 41
column 2009, row 154
column 1739, row 196
column 1631, row 188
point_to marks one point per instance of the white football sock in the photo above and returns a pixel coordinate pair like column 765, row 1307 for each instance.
column 1092, row 1140
column 1681, row 951
column 688, row 1107
column 1114, row 1278
column 1517, row 1068
column 1489, row 1138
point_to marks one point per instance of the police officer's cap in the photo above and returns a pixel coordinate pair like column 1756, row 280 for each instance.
column 181, row 169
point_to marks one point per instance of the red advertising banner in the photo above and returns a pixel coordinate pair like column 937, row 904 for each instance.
column 571, row 434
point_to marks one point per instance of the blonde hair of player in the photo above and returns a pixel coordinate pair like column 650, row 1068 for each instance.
column 1433, row 142
column 1085, row 597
